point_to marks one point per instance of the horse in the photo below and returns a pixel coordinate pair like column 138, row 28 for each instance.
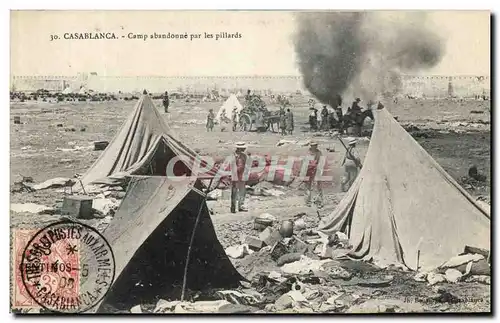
column 356, row 120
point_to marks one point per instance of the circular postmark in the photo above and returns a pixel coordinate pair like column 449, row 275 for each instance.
column 67, row 267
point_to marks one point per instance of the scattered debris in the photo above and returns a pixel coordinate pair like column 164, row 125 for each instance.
column 179, row 307
column 453, row 275
column 304, row 266
column 434, row 278
column 20, row 187
column 483, row 279
column 284, row 142
column 288, row 258
column 239, row 251
column 460, row 260
column 136, row 309
column 474, row 174
column 100, row 145
column 31, row 208
column 236, row 297
column 254, row 243
column 105, row 206
column 270, row 236
column 55, row 183
column 261, row 223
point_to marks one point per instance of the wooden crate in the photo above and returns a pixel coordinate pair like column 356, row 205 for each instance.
column 78, row 206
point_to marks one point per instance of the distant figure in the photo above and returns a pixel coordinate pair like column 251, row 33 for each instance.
column 355, row 108
column 340, row 118
column 166, row 101
column 352, row 165
column 283, row 124
column 248, row 96
column 324, row 118
column 313, row 119
column 235, row 118
column 289, row 121
column 145, row 92
column 210, row 120
column 331, row 118
column 316, row 154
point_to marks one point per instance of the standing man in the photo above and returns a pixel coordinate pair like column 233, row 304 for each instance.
column 210, row 120
column 340, row 118
column 311, row 182
column 238, row 189
column 352, row 165
column 313, row 119
column 324, row 118
column 166, row 101
column 234, row 116
column 283, row 120
column 289, row 121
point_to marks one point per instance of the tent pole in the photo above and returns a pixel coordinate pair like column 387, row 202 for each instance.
column 188, row 256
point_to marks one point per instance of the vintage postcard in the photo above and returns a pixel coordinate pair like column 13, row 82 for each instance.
column 254, row 162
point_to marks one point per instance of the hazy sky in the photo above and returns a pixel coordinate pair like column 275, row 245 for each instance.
column 265, row 47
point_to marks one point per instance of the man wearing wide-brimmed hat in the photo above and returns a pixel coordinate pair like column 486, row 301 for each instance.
column 238, row 189
column 352, row 165
column 316, row 155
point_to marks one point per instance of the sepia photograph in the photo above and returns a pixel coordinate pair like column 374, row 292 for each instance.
column 250, row 162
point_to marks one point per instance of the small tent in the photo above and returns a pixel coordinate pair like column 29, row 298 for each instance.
column 67, row 90
column 143, row 146
column 150, row 234
column 403, row 206
column 82, row 90
column 227, row 108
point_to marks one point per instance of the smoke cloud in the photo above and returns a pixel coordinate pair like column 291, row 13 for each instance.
column 363, row 54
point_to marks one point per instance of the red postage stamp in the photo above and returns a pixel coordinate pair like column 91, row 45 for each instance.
column 20, row 297
column 66, row 267
column 56, row 271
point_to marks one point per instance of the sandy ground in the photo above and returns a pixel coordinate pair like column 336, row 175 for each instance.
column 36, row 151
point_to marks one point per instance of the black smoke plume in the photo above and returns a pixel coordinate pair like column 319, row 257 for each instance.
column 363, row 54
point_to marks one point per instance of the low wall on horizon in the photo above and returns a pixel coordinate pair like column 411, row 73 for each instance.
column 429, row 86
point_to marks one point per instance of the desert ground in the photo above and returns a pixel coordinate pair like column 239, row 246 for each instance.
column 455, row 132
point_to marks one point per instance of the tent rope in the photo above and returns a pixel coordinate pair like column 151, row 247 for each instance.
column 188, row 256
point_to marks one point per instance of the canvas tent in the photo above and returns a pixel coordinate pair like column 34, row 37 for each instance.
column 227, row 108
column 143, row 146
column 403, row 202
column 149, row 236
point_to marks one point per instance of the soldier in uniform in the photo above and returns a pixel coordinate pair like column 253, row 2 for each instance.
column 238, row 189
column 352, row 165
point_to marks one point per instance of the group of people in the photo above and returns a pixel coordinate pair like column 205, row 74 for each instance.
column 351, row 163
column 331, row 118
column 286, row 121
